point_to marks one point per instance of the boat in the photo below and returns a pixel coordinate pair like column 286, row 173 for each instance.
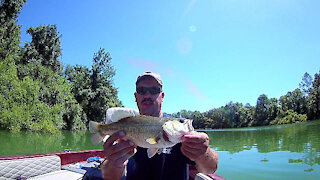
column 65, row 165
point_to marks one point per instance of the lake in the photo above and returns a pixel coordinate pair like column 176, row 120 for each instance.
column 274, row 152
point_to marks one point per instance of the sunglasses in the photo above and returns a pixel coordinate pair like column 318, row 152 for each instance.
column 152, row 90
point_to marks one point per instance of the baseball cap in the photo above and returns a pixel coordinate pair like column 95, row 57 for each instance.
column 150, row 74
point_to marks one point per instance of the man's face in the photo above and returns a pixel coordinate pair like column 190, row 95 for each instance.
column 148, row 103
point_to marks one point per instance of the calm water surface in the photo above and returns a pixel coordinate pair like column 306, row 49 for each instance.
column 277, row 152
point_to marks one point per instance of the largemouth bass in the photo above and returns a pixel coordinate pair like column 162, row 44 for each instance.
column 145, row 131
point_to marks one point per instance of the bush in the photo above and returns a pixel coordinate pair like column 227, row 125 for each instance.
column 289, row 117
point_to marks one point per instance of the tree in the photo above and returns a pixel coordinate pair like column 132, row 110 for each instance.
column 314, row 98
column 44, row 48
column 295, row 101
column 34, row 94
column 219, row 118
column 93, row 88
column 233, row 113
column 20, row 106
column 261, row 114
column 273, row 109
column 9, row 10
column 291, row 117
column 79, row 77
column 306, row 83
column 246, row 116
column 9, row 30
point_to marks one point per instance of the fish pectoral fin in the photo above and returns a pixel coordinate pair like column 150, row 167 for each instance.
column 152, row 140
column 94, row 128
column 96, row 138
column 152, row 152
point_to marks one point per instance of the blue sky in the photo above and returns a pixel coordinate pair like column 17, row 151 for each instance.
column 208, row 52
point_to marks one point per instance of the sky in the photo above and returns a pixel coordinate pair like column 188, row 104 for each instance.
column 208, row 52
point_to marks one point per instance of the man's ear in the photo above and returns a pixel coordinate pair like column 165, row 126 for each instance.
column 135, row 96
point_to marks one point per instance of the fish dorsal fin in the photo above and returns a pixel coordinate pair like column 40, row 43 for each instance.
column 117, row 113
column 152, row 152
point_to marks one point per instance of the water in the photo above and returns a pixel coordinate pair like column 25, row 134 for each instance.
column 36, row 143
column 277, row 152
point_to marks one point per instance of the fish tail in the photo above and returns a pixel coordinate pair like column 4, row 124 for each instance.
column 96, row 137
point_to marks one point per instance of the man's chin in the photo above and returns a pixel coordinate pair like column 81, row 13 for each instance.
column 147, row 110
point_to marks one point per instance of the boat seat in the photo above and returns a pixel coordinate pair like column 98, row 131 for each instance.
column 57, row 175
column 29, row 167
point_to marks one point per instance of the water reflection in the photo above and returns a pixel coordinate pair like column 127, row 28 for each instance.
column 35, row 143
column 299, row 138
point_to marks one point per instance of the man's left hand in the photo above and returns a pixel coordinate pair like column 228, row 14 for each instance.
column 195, row 145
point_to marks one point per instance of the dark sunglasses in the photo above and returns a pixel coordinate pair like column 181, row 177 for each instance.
column 152, row 90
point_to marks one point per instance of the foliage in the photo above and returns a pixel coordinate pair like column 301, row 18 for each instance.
column 34, row 94
column 20, row 106
column 93, row 88
column 40, row 62
column 9, row 10
column 299, row 105
column 9, row 30
column 293, row 100
column 290, row 116
column 314, row 98
column 44, row 48
column 261, row 114
column 306, row 83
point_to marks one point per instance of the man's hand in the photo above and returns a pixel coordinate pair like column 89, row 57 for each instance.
column 195, row 145
column 117, row 151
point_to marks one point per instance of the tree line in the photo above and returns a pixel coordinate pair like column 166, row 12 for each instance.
column 299, row 105
column 37, row 93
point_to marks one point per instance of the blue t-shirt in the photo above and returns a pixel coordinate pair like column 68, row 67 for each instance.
column 164, row 166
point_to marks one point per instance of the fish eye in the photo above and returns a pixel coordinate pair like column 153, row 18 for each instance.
column 181, row 120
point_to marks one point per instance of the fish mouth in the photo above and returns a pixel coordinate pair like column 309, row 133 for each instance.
column 165, row 136
column 190, row 127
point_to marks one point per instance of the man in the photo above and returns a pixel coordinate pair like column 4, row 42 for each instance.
column 171, row 163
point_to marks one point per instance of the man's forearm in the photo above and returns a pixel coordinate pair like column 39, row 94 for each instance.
column 208, row 163
column 110, row 172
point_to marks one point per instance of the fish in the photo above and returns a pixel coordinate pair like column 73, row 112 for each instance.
column 148, row 132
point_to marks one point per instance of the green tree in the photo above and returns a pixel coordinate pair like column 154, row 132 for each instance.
column 9, row 30
column 233, row 113
column 40, row 61
column 314, row 98
column 93, row 88
column 200, row 121
column 306, row 83
column 20, row 106
column 291, row 116
column 219, row 118
column 79, row 77
column 294, row 100
column 44, row 48
column 261, row 112
column 9, row 10
column 273, row 109
column 246, row 116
